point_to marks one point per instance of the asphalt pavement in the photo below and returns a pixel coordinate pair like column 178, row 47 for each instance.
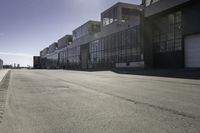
column 61, row 101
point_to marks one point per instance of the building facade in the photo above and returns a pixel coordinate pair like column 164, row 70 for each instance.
column 36, row 62
column 155, row 34
column 172, row 33
column 113, row 42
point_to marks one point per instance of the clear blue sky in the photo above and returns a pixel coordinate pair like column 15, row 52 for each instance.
column 27, row 26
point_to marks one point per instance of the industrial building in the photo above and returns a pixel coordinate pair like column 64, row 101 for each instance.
column 172, row 33
column 115, row 41
column 1, row 64
column 36, row 62
column 51, row 57
column 155, row 34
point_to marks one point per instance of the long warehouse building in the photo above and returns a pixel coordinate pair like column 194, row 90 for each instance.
column 115, row 41
column 155, row 34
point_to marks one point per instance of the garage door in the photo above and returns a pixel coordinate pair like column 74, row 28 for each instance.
column 192, row 51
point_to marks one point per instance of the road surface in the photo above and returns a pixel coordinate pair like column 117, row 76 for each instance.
column 58, row 101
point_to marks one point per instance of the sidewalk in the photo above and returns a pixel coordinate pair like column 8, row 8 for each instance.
column 3, row 72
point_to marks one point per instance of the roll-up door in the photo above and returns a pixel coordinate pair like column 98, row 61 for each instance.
column 192, row 51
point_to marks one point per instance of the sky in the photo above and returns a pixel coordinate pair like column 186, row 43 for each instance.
column 28, row 26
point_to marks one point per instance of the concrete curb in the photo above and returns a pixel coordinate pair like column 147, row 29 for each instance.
column 3, row 74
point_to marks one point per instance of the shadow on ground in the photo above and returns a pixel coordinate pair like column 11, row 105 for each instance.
column 168, row 73
column 180, row 73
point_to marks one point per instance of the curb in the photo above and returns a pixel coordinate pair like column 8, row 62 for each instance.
column 4, row 76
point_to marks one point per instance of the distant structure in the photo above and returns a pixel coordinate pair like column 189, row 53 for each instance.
column 7, row 66
column 18, row 65
column 15, row 65
column 1, row 64
column 36, row 62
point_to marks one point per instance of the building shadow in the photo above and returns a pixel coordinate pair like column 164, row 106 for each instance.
column 168, row 73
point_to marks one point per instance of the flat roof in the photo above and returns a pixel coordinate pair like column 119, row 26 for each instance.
column 90, row 21
column 68, row 35
column 121, row 3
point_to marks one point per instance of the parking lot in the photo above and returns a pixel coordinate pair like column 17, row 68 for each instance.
column 61, row 101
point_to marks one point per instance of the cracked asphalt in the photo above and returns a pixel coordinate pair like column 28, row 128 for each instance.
column 61, row 101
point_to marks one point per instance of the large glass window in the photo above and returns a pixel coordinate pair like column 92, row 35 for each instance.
column 70, row 57
column 124, row 46
column 149, row 2
column 94, row 28
column 109, row 16
column 128, row 14
column 88, row 28
column 167, row 33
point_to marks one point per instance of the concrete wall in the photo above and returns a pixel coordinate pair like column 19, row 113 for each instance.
column 162, row 6
column 191, row 18
column 119, row 26
column 130, row 65
column 85, row 30
column 53, row 47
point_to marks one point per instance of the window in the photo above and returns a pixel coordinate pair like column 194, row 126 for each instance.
column 167, row 34
column 109, row 16
column 88, row 28
column 149, row 2
column 95, row 28
column 128, row 14
column 124, row 46
column 106, row 19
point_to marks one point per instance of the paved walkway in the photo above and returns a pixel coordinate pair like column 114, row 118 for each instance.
column 57, row 101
